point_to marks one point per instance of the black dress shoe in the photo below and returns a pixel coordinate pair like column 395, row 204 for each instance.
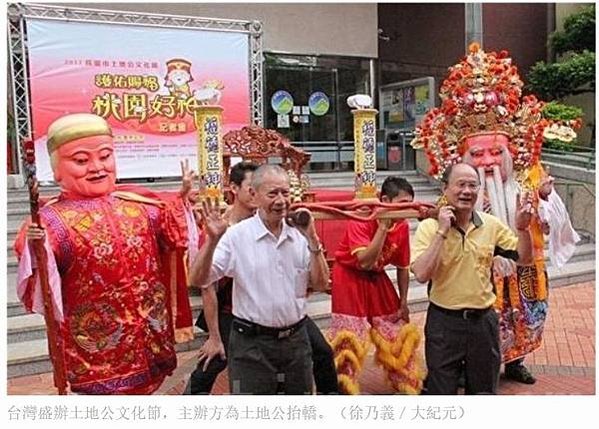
column 519, row 373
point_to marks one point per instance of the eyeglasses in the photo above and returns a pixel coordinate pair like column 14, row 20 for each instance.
column 464, row 185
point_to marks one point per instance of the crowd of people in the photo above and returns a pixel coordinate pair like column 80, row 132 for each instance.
column 120, row 301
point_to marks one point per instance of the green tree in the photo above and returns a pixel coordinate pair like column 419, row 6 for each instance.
column 575, row 72
column 572, row 74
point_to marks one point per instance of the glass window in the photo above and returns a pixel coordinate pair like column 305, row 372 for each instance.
column 305, row 98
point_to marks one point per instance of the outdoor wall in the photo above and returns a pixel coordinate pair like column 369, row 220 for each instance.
column 325, row 29
column 563, row 10
column 519, row 28
column 424, row 39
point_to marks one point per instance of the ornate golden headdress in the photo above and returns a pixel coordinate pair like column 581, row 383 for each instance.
column 481, row 95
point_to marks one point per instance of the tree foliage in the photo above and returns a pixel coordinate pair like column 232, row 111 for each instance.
column 561, row 112
column 575, row 73
column 578, row 33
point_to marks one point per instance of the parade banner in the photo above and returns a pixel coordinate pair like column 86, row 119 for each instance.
column 365, row 153
column 210, row 151
column 145, row 81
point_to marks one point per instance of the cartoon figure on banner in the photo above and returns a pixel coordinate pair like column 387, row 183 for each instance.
column 178, row 76
column 210, row 93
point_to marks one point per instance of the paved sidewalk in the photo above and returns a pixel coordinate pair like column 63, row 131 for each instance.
column 564, row 365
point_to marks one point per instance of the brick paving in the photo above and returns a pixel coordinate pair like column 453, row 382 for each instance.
column 563, row 365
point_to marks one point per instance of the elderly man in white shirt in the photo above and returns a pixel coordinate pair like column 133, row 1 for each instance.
column 272, row 265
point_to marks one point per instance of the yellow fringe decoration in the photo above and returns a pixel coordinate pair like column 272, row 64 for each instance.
column 350, row 349
column 499, row 285
column 183, row 335
column 514, row 291
column 347, row 385
column 348, row 355
column 404, row 345
column 348, row 339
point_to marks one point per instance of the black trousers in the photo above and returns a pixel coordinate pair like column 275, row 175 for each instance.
column 323, row 364
column 454, row 344
column 201, row 382
column 262, row 364
column 325, row 375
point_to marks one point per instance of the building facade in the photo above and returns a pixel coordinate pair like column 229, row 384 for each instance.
column 332, row 51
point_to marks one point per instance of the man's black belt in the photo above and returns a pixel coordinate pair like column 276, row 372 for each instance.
column 462, row 313
column 246, row 327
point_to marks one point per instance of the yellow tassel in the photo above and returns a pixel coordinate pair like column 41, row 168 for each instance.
column 541, row 286
column 348, row 355
column 347, row 385
column 514, row 291
column 499, row 287
column 344, row 337
column 405, row 345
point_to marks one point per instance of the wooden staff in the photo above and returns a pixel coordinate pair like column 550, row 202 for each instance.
column 54, row 341
column 361, row 210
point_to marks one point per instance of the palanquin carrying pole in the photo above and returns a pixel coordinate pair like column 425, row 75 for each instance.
column 365, row 205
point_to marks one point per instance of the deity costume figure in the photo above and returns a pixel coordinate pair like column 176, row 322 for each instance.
column 112, row 266
column 485, row 121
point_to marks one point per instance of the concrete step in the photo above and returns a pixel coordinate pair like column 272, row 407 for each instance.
column 22, row 326
column 582, row 249
column 580, row 160
column 30, row 356
column 585, row 251
column 572, row 273
column 317, row 179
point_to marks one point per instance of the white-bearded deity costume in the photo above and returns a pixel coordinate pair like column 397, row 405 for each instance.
column 485, row 121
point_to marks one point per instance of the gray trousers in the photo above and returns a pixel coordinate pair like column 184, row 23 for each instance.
column 454, row 344
column 266, row 365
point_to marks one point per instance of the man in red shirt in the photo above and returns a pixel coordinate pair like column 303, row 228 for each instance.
column 365, row 302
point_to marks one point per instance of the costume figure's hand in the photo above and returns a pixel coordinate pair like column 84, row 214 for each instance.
column 446, row 218
column 215, row 224
column 545, row 227
column 188, row 176
column 35, row 232
column 487, row 206
column 524, row 211
column 546, row 187
column 209, row 350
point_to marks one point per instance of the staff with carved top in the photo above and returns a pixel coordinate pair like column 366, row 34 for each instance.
column 55, row 348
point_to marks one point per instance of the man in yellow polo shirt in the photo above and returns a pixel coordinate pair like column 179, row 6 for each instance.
column 454, row 254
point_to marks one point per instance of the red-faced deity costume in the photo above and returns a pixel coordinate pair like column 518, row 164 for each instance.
column 111, row 263
column 484, row 120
